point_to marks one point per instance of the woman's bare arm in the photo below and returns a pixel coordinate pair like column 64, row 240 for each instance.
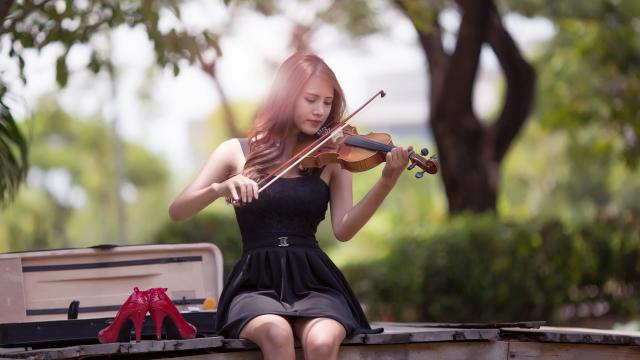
column 225, row 160
column 347, row 219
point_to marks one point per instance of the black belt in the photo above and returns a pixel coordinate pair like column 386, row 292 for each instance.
column 283, row 241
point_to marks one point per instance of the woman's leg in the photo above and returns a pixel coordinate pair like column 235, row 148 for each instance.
column 273, row 334
column 320, row 337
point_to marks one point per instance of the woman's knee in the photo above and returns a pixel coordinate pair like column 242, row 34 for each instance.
column 278, row 335
column 269, row 332
column 322, row 344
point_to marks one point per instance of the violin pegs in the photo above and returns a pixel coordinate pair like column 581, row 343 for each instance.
column 424, row 152
column 419, row 174
column 411, row 166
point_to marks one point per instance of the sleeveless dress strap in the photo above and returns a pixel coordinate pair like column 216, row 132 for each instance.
column 244, row 144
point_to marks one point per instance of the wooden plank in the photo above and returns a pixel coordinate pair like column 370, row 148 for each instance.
column 238, row 344
column 522, row 350
column 495, row 350
column 432, row 335
column 395, row 343
column 573, row 335
column 415, row 351
column 395, row 336
column 490, row 325
column 147, row 347
column 241, row 355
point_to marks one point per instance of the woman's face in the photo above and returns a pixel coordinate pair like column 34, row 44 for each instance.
column 313, row 105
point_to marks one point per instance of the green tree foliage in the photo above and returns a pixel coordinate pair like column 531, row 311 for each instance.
column 590, row 72
column 216, row 132
column 356, row 17
column 577, row 176
column 33, row 24
column 13, row 152
column 70, row 182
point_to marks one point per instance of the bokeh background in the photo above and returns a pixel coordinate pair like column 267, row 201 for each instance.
column 109, row 108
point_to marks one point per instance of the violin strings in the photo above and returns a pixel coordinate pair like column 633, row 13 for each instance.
column 361, row 141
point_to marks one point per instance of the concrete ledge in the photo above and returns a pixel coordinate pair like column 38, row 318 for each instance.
column 398, row 341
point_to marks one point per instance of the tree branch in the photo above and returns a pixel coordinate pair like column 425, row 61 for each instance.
column 4, row 9
column 438, row 60
column 430, row 39
column 20, row 17
column 229, row 117
column 520, row 78
column 463, row 66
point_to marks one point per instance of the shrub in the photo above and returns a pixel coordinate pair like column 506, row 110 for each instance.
column 482, row 269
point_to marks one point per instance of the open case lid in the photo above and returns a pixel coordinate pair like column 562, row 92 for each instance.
column 40, row 285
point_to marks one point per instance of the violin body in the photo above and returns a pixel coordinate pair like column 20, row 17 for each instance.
column 358, row 153
column 351, row 158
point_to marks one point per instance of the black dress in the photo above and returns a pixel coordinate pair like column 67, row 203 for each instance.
column 282, row 269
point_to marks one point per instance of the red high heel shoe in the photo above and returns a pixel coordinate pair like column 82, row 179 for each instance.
column 161, row 305
column 133, row 311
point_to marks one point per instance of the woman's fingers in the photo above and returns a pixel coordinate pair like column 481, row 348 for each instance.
column 250, row 188
column 397, row 160
column 233, row 193
column 255, row 189
column 242, row 189
column 390, row 158
column 398, row 157
column 405, row 154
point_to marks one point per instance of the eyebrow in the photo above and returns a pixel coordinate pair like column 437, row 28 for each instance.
column 314, row 94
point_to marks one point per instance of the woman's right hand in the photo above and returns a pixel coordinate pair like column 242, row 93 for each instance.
column 237, row 190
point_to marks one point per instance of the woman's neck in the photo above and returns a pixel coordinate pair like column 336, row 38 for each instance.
column 289, row 142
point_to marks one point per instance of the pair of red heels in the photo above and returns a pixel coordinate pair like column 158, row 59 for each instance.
column 134, row 310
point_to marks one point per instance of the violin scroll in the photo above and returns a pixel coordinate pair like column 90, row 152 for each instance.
column 430, row 165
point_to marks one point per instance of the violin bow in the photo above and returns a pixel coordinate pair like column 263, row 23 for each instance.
column 297, row 158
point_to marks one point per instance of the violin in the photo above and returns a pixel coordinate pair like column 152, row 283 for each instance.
column 357, row 153
column 354, row 152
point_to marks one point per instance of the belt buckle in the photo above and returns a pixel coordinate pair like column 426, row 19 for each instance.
column 283, row 241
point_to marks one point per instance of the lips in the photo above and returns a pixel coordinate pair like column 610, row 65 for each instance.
column 315, row 122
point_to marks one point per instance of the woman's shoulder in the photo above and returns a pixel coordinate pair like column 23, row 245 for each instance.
column 231, row 154
column 334, row 172
column 233, row 145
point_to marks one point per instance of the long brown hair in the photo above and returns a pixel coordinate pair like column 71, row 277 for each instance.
column 275, row 119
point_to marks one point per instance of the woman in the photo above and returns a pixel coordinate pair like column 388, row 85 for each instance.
column 284, row 285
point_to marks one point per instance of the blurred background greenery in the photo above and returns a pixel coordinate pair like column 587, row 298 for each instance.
column 559, row 241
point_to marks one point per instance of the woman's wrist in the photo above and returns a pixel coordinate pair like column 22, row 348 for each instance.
column 214, row 190
column 387, row 182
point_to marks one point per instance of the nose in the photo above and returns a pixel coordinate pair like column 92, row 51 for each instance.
column 318, row 110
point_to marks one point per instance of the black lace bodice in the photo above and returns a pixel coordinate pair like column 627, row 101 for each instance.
column 289, row 207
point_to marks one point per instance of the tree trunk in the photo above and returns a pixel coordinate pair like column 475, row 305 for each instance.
column 471, row 152
column 5, row 5
column 229, row 117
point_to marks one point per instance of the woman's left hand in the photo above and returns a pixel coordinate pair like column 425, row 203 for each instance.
column 396, row 162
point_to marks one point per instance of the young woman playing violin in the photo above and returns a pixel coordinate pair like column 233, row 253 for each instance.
column 284, row 285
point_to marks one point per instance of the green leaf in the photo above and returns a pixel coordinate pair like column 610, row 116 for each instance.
column 94, row 63
column 13, row 153
column 62, row 72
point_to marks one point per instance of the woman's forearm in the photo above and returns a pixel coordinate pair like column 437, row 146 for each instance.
column 189, row 204
column 361, row 212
